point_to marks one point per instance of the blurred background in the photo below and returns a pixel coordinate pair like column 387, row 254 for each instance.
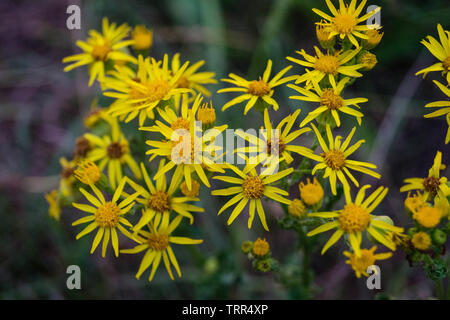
column 41, row 112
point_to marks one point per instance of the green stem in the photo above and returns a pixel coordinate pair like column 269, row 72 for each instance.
column 440, row 289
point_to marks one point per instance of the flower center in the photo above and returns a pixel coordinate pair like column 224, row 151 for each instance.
column 115, row 150
column 258, row 88
column 100, row 51
column 107, row 215
column 157, row 90
column 446, row 63
column 334, row 159
column 82, row 147
column 158, row 242
column 190, row 193
column 261, row 247
column 66, row 172
column 345, row 23
column 331, row 100
column 253, row 187
column 362, row 262
column 431, row 184
column 275, row 147
column 354, row 218
column 180, row 123
column 183, row 82
column 159, row 201
column 327, row 64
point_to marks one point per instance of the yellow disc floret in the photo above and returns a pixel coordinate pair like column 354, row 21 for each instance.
column 190, row 193
column 297, row 208
column 88, row 172
column 345, row 23
column 253, row 187
column 258, row 88
column 100, row 51
column 159, row 201
column 331, row 100
column 158, row 242
column 327, row 64
column 428, row 217
column 107, row 215
column 354, row 218
column 421, row 241
column 311, row 192
column 334, row 159
column 261, row 247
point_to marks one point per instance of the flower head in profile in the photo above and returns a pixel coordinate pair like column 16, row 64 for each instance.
column 67, row 176
column 106, row 216
column 260, row 90
column 274, row 145
column 345, row 20
column 311, row 192
column 433, row 185
column 367, row 258
column 441, row 51
column 335, row 159
column 160, row 200
column 142, row 37
column 112, row 151
column 251, row 188
column 327, row 65
column 330, row 101
column 139, row 93
column 54, row 209
column 354, row 219
column 191, row 78
column 87, row 172
column 100, row 48
column 157, row 244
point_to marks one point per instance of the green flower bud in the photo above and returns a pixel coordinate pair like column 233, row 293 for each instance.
column 247, row 247
column 264, row 265
column 439, row 237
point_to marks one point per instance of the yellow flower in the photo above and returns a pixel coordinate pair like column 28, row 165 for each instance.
column 251, row 188
column 330, row 101
column 334, row 159
column 323, row 36
column 54, row 209
column 421, row 241
column 193, row 192
column 256, row 90
column 369, row 60
column 191, row 79
column 274, row 144
column 367, row 258
column 88, row 172
column 415, row 202
column 184, row 149
column 67, row 177
column 311, row 192
column 374, row 37
column 356, row 218
column 138, row 94
column 261, row 247
column 106, row 216
column 345, row 20
column 297, row 208
column 441, row 51
column 142, row 37
column 429, row 217
column 206, row 114
column 112, row 151
column 444, row 105
column 100, row 49
column 160, row 200
column 328, row 64
column 157, row 243
column 432, row 185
